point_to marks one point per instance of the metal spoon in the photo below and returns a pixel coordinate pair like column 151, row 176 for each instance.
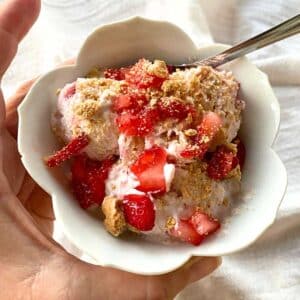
column 277, row 33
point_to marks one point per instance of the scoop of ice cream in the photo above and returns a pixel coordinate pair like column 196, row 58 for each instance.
column 84, row 107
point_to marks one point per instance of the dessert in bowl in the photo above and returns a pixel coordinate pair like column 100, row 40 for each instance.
column 186, row 139
column 156, row 148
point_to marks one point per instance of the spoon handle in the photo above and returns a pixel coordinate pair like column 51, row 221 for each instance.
column 277, row 33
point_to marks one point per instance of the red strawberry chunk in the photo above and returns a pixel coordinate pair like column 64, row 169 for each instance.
column 208, row 128
column 139, row 211
column 133, row 101
column 241, row 153
column 204, row 224
column 149, row 169
column 88, row 179
column 116, row 74
column 138, row 76
column 221, row 163
column 174, row 109
column 134, row 125
column 73, row 148
column 122, row 102
column 190, row 152
column 186, row 232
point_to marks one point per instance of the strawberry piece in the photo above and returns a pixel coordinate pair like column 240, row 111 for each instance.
column 139, row 211
column 122, row 102
column 221, row 163
column 138, row 76
column 133, row 101
column 73, row 148
column 174, row 109
column 88, row 179
column 116, row 74
column 190, row 152
column 208, row 128
column 186, row 232
column 241, row 153
column 134, row 125
column 149, row 169
column 204, row 224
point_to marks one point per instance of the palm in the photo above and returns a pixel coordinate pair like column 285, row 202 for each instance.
column 29, row 258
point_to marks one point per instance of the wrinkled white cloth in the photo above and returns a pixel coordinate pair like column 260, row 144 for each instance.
column 269, row 269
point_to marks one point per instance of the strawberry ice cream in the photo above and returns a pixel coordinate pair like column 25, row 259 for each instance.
column 155, row 148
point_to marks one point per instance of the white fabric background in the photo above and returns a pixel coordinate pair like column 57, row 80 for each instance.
column 270, row 269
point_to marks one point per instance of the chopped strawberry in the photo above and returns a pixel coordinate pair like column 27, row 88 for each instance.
column 174, row 109
column 208, row 128
column 241, row 153
column 221, row 163
column 138, row 76
column 186, row 232
column 122, row 102
column 149, row 169
column 133, row 101
column 204, row 224
column 134, row 124
column 88, row 179
column 116, row 74
column 73, row 148
column 139, row 211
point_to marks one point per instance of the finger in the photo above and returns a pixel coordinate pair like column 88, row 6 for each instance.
column 194, row 270
column 16, row 18
column 12, row 104
column 39, row 205
column 68, row 62
column 14, row 101
column 26, row 190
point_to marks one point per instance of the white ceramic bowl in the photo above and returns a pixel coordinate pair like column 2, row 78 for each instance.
column 264, row 177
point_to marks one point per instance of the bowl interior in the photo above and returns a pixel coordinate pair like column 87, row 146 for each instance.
column 121, row 44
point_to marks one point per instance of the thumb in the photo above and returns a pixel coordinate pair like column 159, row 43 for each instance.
column 16, row 18
column 195, row 269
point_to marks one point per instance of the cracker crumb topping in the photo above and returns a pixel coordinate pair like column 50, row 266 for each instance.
column 114, row 218
column 158, row 68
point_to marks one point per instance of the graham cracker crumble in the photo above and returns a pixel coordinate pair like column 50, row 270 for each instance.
column 193, row 184
column 91, row 88
column 114, row 219
column 158, row 68
column 87, row 109
column 170, row 223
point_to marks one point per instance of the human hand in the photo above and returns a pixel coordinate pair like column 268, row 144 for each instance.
column 32, row 265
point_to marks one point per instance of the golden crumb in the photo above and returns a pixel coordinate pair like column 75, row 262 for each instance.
column 190, row 132
column 235, row 173
column 193, row 184
column 153, row 102
column 91, row 88
column 170, row 223
column 114, row 219
column 158, row 68
column 175, row 87
column 204, row 139
column 87, row 109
